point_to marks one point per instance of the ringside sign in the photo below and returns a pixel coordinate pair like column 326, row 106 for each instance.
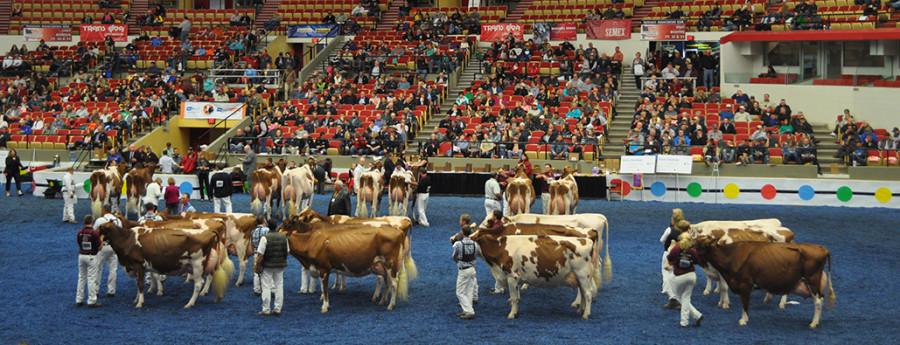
column 499, row 32
column 99, row 32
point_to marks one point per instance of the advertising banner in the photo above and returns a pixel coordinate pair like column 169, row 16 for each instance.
column 60, row 33
column 312, row 31
column 98, row 32
column 212, row 110
column 608, row 29
column 563, row 31
column 663, row 30
column 499, row 32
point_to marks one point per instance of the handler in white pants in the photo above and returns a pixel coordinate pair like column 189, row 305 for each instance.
column 68, row 196
column 106, row 255
column 422, row 191
column 464, row 253
column 220, row 182
column 665, row 269
column 88, row 246
column 271, row 259
column 492, row 196
column 683, row 257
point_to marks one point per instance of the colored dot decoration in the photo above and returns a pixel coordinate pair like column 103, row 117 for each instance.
column 768, row 192
column 694, row 189
column 731, row 191
column 186, row 188
column 883, row 195
column 87, row 186
column 806, row 192
column 658, row 189
column 844, row 194
column 124, row 187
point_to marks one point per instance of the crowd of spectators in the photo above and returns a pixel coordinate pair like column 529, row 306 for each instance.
column 804, row 16
column 509, row 109
column 423, row 24
column 859, row 141
column 609, row 14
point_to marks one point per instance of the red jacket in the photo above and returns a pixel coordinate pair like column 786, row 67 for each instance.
column 88, row 241
column 188, row 163
column 171, row 194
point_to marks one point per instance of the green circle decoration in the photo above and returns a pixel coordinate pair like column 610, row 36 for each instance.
column 694, row 189
column 844, row 194
column 87, row 186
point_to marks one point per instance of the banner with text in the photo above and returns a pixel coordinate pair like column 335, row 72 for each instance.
column 212, row 110
column 308, row 32
column 608, row 29
column 60, row 33
column 663, row 30
column 99, row 32
column 499, row 32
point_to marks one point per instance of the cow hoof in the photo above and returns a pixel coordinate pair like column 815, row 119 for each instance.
column 160, row 293
column 511, row 316
column 813, row 325
column 324, row 310
column 585, row 317
column 781, row 306
column 575, row 306
column 188, row 306
column 742, row 322
column 390, row 307
column 705, row 292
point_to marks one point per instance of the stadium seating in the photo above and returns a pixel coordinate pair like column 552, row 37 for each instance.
column 61, row 12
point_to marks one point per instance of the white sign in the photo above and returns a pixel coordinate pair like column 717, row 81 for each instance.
column 3, row 155
column 213, row 110
column 638, row 165
column 674, row 164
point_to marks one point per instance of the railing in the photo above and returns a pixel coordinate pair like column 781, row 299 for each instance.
column 271, row 77
column 690, row 80
column 321, row 59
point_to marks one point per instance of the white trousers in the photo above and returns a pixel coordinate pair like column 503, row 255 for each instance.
column 505, row 206
column 272, row 280
column 683, row 286
column 421, row 205
column 256, row 287
column 545, row 202
column 218, row 201
column 106, row 256
column 465, row 289
column 667, row 276
column 69, row 201
column 87, row 275
column 490, row 206
column 308, row 280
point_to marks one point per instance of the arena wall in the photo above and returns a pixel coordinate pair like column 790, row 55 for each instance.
column 187, row 183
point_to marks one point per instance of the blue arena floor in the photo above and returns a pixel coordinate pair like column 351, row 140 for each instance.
column 37, row 287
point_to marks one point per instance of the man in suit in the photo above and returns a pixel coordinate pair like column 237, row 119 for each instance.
column 340, row 200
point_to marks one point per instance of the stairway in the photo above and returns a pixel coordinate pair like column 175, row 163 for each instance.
column 827, row 146
column 642, row 12
column 390, row 17
column 5, row 12
column 264, row 13
column 137, row 9
column 621, row 123
column 516, row 12
column 466, row 78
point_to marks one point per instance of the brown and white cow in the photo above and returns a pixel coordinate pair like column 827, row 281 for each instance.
column 563, row 194
column 199, row 253
column 106, row 188
column 725, row 232
column 355, row 250
column 310, row 216
column 370, row 186
column 778, row 268
column 264, row 183
column 298, row 187
column 136, row 182
column 400, row 189
column 541, row 261
column 593, row 221
column 238, row 231
column 519, row 193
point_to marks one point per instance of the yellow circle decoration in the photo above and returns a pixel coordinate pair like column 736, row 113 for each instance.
column 731, row 191
column 883, row 195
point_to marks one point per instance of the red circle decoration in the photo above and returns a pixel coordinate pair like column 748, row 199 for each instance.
column 618, row 185
column 626, row 188
column 768, row 192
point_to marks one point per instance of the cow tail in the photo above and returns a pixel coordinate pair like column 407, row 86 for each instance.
column 222, row 274
column 408, row 263
column 607, row 261
column 832, row 297
column 402, row 276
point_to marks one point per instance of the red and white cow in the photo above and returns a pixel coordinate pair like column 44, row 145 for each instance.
column 298, row 187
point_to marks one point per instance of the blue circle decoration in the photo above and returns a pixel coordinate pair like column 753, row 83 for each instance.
column 806, row 192
column 186, row 188
column 658, row 189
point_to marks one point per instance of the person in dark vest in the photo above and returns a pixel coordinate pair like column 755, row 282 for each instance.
column 88, row 247
column 464, row 253
column 423, row 190
column 202, row 171
column 271, row 259
column 340, row 200
column 221, row 186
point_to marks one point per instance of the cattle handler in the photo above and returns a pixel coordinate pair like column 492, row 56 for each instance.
column 271, row 259
column 682, row 257
column 88, row 247
column 464, row 253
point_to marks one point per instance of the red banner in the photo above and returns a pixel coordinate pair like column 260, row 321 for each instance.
column 48, row 33
column 563, row 31
column 98, row 32
column 663, row 30
column 499, row 32
column 609, row 29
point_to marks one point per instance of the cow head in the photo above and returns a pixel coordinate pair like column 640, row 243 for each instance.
column 294, row 224
column 308, row 215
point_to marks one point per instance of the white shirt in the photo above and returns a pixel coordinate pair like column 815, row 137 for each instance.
column 68, row 183
column 109, row 217
column 7, row 63
column 39, row 124
column 261, row 249
column 166, row 164
column 491, row 189
column 154, row 193
column 356, row 174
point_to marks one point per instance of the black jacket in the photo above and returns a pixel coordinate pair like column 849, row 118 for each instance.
column 339, row 204
column 221, row 184
column 424, row 186
column 13, row 165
